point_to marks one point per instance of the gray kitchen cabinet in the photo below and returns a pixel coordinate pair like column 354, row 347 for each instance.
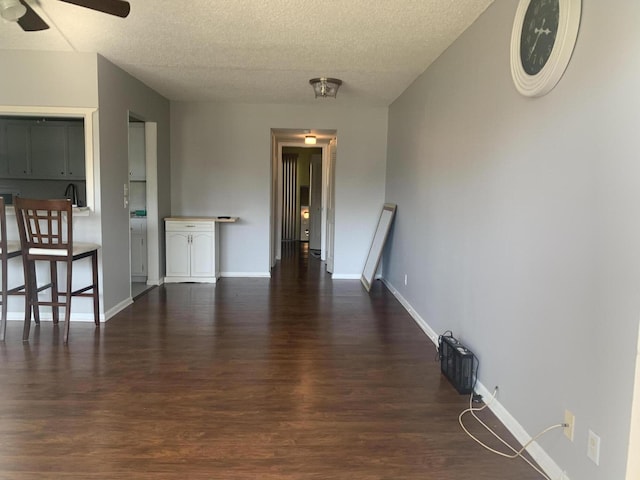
column 52, row 150
column 18, row 140
column 76, row 159
column 48, row 150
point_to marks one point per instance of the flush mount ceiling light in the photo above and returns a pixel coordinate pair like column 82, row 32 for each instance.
column 310, row 140
column 325, row 87
column 12, row 10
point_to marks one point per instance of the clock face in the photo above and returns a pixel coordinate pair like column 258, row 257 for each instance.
column 542, row 40
column 539, row 29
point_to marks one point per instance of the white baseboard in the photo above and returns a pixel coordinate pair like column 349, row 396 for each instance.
column 117, row 309
column 190, row 279
column 48, row 317
column 245, row 274
column 544, row 461
column 346, row 276
column 541, row 457
column 426, row 328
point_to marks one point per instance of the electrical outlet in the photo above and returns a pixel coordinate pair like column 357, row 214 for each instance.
column 593, row 447
column 405, row 279
column 569, row 421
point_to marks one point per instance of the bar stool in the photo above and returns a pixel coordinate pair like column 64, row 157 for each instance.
column 8, row 250
column 46, row 235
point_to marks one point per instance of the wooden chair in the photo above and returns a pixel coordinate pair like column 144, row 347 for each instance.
column 46, row 235
column 8, row 250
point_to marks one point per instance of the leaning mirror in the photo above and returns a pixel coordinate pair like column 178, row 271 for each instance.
column 379, row 238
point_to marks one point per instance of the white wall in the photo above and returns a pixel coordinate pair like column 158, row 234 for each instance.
column 120, row 94
column 48, row 79
column 220, row 165
column 518, row 224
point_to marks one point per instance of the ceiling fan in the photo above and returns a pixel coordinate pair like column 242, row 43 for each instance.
column 20, row 11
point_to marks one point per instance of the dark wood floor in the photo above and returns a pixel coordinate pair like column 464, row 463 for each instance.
column 296, row 378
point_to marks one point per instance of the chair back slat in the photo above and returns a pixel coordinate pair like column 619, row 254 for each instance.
column 45, row 226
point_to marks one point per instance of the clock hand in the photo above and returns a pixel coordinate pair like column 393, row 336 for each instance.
column 539, row 31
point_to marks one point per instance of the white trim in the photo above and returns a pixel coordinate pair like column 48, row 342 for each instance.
column 541, row 457
column 273, row 200
column 153, row 224
column 112, row 312
column 544, row 461
column 278, row 220
column 430, row 332
column 345, row 276
column 190, row 279
column 633, row 461
column 90, row 155
column 245, row 274
column 48, row 317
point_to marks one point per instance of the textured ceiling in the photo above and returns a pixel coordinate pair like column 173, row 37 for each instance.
column 259, row 51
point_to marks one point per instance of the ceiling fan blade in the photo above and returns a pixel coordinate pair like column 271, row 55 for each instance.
column 31, row 21
column 119, row 8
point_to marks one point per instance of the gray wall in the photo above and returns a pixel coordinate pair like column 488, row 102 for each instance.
column 120, row 94
column 517, row 224
column 221, row 165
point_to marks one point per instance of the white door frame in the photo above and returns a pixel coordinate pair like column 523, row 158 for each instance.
column 316, row 237
column 277, row 194
column 153, row 224
column 633, row 461
column 273, row 207
column 151, row 185
column 329, row 201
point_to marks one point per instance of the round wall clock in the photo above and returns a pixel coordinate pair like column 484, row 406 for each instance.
column 544, row 34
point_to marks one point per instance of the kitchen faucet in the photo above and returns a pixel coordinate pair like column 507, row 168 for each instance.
column 71, row 192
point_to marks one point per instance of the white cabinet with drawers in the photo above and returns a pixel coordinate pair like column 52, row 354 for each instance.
column 191, row 250
column 192, row 245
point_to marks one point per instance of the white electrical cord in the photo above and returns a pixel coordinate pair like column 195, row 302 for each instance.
column 516, row 453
